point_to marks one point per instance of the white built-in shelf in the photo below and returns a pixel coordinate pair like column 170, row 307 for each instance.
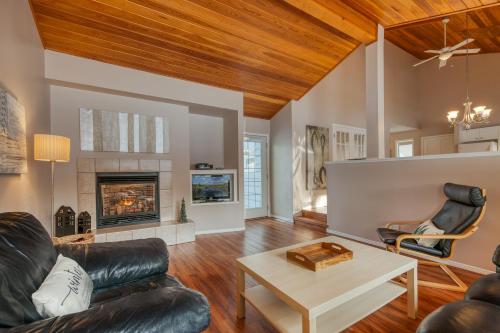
column 287, row 320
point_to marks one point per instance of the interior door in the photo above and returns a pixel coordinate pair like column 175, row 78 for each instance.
column 255, row 176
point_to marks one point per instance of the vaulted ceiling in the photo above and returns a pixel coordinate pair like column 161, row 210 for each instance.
column 272, row 50
column 484, row 27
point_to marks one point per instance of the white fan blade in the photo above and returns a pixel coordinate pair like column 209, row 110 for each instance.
column 470, row 51
column 424, row 61
column 462, row 43
column 433, row 51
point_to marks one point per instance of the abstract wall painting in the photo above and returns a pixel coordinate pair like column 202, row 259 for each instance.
column 12, row 135
column 317, row 153
column 106, row 131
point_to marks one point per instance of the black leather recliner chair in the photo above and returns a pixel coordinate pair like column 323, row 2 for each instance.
column 132, row 292
column 478, row 312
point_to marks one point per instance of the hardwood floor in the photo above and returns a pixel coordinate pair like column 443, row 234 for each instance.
column 207, row 265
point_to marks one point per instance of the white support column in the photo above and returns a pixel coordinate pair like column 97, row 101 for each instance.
column 375, row 96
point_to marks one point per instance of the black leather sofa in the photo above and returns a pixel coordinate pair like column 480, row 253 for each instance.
column 479, row 312
column 132, row 291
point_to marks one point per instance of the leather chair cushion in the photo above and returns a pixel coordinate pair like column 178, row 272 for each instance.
column 467, row 195
column 105, row 295
column 462, row 317
column 388, row 236
column 496, row 258
column 486, row 289
column 26, row 258
column 454, row 218
column 412, row 244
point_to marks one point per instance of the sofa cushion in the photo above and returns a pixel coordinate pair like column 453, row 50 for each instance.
column 105, row 295
column 26, row 258
column 486, row 289
column 462, row 317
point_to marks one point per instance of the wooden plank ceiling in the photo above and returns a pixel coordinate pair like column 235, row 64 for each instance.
column 484, row 27
column 272, row 50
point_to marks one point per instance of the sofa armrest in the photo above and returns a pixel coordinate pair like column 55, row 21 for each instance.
column 174, row 309
column 113, row 263
column 496, row 258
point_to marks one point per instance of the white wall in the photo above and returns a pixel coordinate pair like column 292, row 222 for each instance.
column 22, row 74
column 366, row 195
column 206, row 142
column 144, row 92
column 443, row 90
column 65, row 105
column 67, row 68
column 339, row 98
column 281, row 163
column 257, row 126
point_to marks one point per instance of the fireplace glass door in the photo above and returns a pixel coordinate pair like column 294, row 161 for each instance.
column 127, row 199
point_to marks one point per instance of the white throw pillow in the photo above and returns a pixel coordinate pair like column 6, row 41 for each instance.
column 67, row 289
column 428, row 228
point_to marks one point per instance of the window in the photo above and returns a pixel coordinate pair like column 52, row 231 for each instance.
column 404, row 148
column 348, row 142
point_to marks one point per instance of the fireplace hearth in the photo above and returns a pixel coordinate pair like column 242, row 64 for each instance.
column 127, row 198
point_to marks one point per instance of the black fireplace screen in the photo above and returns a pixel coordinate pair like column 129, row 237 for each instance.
column 127, row 198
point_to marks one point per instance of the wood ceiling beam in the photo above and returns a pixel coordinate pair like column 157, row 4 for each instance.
column 339, row 16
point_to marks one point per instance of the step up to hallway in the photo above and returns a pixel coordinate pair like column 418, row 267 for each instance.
column 313, row 218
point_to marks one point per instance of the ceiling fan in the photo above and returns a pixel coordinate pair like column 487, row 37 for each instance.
column 448, row 51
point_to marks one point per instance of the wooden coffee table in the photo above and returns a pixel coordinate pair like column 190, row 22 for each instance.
column 295, row 299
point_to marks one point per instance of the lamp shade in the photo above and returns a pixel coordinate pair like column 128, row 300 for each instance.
column 52, row 148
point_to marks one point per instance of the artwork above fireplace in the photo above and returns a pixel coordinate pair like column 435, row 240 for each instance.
column 127, row 198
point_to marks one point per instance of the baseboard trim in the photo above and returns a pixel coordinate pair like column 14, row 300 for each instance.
column 452, row 263
column 282, row 218
column 218, row 231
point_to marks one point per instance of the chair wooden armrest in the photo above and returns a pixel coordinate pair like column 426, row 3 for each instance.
column 389, row 225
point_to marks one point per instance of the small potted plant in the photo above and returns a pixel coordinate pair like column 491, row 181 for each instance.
column 182, row 214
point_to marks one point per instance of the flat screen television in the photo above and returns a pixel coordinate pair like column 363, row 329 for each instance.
column 212, row 187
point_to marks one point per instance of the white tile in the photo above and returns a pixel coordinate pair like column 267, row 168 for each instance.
column 166, row 213
column 86, row 165
column 129, row 165
column 165, row 180
column 143, row 233
column 149, row 165
column 165, row 165
column 119, row 236
column 107, row 165
column 100, row 238
column 168, row 233
column 185, row 232
column 165, row 198
column 86, row 202
column 86, row 182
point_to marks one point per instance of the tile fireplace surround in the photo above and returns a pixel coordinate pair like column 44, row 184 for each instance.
column 87, row 168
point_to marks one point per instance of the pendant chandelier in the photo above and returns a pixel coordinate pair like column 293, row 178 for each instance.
column 472, row 115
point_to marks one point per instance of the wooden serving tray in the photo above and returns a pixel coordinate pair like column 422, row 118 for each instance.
column 319, row 255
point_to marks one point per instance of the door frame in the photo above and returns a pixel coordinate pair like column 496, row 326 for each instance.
column 268, row 203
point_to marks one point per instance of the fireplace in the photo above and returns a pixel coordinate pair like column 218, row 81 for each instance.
column 127, row 198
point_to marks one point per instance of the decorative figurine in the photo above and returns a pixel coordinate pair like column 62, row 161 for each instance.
column 84, row 222
column 65, row 221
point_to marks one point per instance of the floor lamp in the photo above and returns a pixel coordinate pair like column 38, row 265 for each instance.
column 52, row 148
